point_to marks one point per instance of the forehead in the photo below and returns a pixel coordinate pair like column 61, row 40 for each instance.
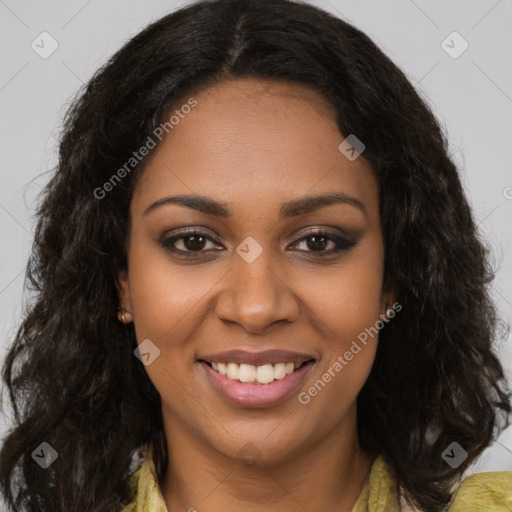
column 257, row 141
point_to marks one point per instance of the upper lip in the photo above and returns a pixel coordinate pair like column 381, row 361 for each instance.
column 257, row 358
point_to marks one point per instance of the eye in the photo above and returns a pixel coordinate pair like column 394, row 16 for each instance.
column 316, row 242
column 193, row 242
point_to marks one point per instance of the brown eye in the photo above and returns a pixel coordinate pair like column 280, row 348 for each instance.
column 317, row 241
column 192, row 241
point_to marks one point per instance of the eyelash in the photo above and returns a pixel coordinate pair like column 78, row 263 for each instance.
column 342, row 244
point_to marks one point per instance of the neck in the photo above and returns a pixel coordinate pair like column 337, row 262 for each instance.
column 328, row 475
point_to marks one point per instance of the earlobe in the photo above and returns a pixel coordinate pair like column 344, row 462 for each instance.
column 123, row 287
column 124, row 311
column 388, row 303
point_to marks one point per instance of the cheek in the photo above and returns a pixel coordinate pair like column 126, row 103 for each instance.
column 166, row 298
column 348, row 298
column 346, row 307
column 167, row 302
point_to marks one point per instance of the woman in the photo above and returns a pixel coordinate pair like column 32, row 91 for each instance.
column 256, row 264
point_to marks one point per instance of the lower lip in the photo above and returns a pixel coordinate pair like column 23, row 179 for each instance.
column 256, row 395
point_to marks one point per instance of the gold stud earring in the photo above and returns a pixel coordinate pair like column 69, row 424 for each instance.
column 123, row 315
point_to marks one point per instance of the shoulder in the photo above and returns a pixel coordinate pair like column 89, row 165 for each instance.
column 478, row 492
column 135, row 481
column 145, row 489
column 484, row 491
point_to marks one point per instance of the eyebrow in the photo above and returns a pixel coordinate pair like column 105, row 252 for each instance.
column 289, row 209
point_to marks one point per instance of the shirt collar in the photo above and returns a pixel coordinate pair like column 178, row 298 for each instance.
column 379, row 492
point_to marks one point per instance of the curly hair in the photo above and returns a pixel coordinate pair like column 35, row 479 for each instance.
column 71, row 373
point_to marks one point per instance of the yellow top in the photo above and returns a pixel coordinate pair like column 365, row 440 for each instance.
column 479, row 492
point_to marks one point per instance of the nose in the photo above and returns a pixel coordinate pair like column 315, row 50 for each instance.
column 255, row 295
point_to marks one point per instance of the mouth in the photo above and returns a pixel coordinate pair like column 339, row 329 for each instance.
column 261, row 374
column 261, row 379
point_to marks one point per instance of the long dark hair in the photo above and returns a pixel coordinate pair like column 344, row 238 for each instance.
column 71, row 373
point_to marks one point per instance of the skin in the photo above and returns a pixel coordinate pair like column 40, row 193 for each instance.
column 254, row 145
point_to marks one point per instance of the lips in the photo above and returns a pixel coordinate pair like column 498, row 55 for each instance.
column 256, row 379
column 273, row 356
column 242, row 394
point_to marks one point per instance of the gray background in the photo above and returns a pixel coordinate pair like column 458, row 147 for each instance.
column 471, row 95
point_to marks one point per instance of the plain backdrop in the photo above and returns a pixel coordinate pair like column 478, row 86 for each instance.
column 458, row 53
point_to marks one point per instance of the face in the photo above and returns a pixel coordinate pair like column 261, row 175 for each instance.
column 264, row 271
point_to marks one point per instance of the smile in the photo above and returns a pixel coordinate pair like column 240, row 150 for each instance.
column 264, row 374
column 247, row 385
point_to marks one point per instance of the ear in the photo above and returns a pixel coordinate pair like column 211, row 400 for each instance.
column 388, row 297
column 123, row 291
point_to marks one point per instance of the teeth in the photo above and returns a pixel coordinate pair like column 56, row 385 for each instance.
column 264, row 374
column 247, row 373
column 280, row 371
column 232, row 371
